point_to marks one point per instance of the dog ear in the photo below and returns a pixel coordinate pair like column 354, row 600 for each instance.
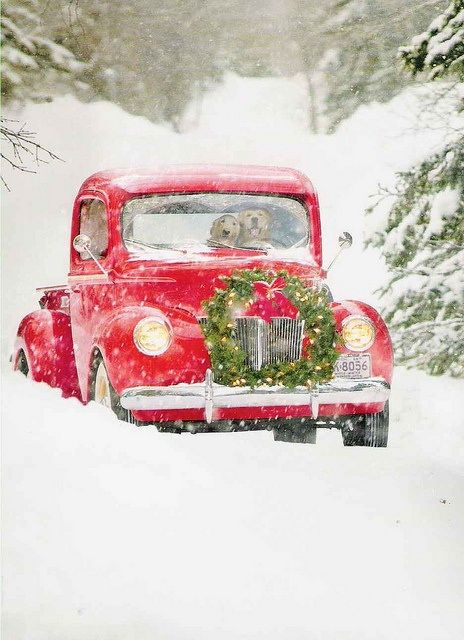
column 214, row 229
column 241, row 216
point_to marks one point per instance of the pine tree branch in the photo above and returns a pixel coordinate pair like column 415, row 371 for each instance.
column 446, row 243
column 421, row 326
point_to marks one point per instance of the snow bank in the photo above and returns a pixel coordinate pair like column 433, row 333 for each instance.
column 116, row 532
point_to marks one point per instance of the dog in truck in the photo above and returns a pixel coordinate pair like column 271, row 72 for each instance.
column 224, row 230
column 254, row 227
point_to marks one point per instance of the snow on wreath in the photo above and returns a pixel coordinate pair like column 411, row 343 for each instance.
column 270, row 295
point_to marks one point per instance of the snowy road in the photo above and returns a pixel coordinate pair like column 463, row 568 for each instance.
column 112, row 532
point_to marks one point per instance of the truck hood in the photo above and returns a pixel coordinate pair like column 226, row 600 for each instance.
column 187, row 285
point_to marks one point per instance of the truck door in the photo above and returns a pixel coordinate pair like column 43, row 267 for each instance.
column 88, row 283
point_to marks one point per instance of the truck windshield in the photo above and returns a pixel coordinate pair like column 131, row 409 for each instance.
column 201, row 222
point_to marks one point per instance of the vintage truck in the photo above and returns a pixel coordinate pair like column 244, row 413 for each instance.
column 148, row 250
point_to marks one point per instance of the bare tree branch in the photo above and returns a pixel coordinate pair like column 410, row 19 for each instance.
column 22, row 152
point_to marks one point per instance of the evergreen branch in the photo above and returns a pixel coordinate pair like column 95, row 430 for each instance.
column 432, row 324
column 446, row 243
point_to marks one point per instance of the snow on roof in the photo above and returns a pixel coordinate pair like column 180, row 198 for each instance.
column 194, row 176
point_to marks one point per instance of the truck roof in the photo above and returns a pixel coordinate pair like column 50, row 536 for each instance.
column 201, row 177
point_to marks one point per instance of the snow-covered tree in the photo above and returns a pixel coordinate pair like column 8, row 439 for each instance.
column 440, row 49
column 150, row 58
column 349, row 50
column 33, row 65
column 421, row 233
column 30, row 57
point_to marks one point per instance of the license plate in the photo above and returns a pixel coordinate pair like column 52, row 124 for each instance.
column 353, row 366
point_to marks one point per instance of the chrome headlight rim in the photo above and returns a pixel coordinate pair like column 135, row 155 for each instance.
column 162, row 321
column 366, row 320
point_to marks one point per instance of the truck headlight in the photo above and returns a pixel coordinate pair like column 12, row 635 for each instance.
column 358, row 333
column 152, row 336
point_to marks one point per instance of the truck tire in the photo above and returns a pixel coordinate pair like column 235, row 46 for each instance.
column 22, row 364
column 102, row 391
column 369, row 430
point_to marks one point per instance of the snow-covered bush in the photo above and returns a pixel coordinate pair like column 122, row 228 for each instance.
column 420, row 225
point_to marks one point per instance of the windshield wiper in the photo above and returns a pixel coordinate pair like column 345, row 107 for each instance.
column 300, row 243
column 155, row 246
column 218, row 243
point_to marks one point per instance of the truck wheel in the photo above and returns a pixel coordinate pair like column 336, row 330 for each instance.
column 22, row 364
column 102, row 392
column 370, row 430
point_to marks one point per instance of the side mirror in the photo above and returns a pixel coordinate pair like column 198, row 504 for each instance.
column 345, row 240
column 81, row 243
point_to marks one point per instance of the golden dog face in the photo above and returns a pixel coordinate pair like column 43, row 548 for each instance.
column 254, row 225
column 225, row 229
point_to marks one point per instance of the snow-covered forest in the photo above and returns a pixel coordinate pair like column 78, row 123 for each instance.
column 115, row 532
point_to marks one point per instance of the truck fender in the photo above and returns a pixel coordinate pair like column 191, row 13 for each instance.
column 382, row 350
column 45, row 339
column 185, row 360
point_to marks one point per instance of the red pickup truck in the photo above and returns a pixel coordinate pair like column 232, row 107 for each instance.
column 196, row 301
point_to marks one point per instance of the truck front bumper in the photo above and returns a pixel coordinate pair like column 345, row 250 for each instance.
column 208, row 395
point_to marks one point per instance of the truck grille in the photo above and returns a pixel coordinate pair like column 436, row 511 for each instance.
column 264, row 343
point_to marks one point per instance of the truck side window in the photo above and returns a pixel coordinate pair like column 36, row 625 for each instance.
column 93, row 222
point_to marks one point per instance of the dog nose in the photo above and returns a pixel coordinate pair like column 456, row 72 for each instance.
column 254, row 220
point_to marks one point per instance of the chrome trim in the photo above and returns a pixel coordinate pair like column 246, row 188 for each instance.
column 285, row 340
column 55, row 287
column 209, row 400
column 281, row 340
column 208, row 395
column 260, row 351
column 315, row 402
column 249, row 332
column 90, row 277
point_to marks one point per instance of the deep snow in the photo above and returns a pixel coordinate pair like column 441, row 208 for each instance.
column 116, row 532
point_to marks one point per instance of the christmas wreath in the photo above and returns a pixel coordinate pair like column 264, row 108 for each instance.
column 267, row 295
